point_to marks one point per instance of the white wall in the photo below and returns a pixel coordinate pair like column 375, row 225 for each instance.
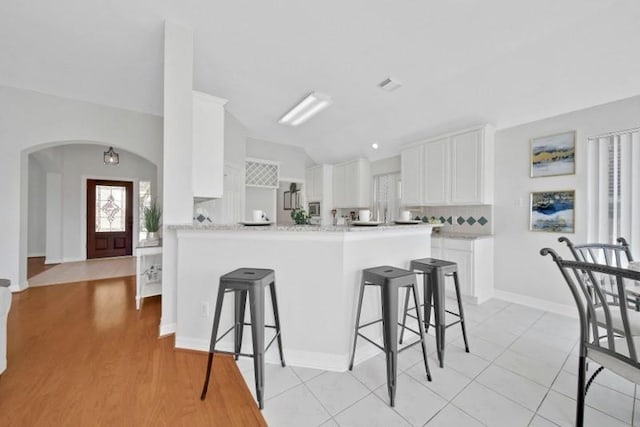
column 31, row 121
column 263, row 199
column 37, row 208
column 519, row 268
column 385, row 166
column 293, row 160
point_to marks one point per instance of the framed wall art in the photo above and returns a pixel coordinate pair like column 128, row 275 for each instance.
column 553, row 155
column 552, row 211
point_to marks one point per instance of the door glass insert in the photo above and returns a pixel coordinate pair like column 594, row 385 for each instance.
column 111, row 205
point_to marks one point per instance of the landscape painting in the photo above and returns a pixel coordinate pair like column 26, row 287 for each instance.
column 553, row 211
column 553, row 155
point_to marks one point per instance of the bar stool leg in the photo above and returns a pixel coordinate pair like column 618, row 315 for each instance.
column 358, row 312
column 256, row 307
column 240, row 297
column 421, row 330
column 214, row 336
column 460, row 311
column 276, row 317
column 428, row 300
column 438, row 296
column 390, row 334
column 404, row 314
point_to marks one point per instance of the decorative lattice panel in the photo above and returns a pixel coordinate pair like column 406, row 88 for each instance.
column 261, row 174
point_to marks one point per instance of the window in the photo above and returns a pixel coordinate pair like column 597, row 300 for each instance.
column 613, row 197
column 111, row 205
column 386, row 196
column 144, row 201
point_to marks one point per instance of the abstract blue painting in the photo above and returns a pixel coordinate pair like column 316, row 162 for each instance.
column 553, row 211
column 553, row 155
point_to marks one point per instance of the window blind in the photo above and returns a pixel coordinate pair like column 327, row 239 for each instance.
column 613, row 196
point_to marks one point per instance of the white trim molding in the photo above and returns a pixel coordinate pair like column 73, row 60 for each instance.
column 167, row 329
column 540, row 304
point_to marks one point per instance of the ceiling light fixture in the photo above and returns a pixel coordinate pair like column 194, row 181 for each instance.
column 111, row 157
column 311, row 105
column 389, row 84
column 374, row 146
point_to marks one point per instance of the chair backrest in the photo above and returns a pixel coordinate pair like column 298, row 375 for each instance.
column 601, row 253
column 586, row 281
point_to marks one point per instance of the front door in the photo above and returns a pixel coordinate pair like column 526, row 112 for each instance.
column 109, row 218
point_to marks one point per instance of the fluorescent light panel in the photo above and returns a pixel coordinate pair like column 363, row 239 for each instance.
column 311, row 105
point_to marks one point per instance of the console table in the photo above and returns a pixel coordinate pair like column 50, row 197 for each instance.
column 148, row 272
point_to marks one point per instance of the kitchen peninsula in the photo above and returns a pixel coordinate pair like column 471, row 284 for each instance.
column 318, row 272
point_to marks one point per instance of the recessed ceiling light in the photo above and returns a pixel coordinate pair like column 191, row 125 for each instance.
column 311, row 105
column 374, row 146
column 389, row 84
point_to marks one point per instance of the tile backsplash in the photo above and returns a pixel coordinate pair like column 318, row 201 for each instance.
column 474, row 219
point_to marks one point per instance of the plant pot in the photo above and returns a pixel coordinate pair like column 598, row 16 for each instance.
column 152, row 237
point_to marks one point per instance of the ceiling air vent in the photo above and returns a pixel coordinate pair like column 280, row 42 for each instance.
column 389, row 84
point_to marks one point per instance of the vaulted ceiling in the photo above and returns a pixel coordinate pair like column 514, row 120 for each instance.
column 461, row 62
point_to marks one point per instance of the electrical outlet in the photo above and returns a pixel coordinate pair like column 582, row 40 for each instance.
column 204, row 309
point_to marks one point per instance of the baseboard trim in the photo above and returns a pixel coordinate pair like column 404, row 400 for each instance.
column 19, row 288
column 53, row 260
column 540, row 304
column 167, row 329
column 37, row 255
column 298, row 358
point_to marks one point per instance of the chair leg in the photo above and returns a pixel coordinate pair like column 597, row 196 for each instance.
column 390, row 335
column 214, row 336
column 428, row 301
column 355, row 335
column 276, row 317
column 240, row 297
column 256, row 308
column 436, row 283
column 460, row 311
column 581, row 391
column 404, row 314
column 421, row 330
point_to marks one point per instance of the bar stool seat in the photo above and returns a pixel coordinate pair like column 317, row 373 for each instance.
column 390, row 280
column 434, row 272
column 243, row 282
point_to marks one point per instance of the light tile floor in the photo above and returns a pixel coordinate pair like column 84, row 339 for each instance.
column 521, row 372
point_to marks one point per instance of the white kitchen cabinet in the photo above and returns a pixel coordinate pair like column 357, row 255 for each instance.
column 313, row 183
column 411, row 172
column 435, row 177
column 207, row 146
column 351, row 184
column 475, row 265
column 454, row 169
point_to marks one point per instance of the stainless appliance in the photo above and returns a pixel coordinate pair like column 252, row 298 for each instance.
column 314, row 208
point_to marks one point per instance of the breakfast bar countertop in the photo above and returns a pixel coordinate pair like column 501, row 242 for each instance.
column 295, row 228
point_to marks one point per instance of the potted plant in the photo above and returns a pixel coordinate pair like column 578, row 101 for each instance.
column 152, row 215
column 300, row 216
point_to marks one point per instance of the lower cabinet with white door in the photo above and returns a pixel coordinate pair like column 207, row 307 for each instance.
column 474, row 256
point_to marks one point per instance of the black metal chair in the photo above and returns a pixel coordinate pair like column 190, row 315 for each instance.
column 617, row 349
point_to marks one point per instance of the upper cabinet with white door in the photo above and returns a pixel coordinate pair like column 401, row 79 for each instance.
column 313, row 183
column 351, row 184
column 454, row 169
column 208, row 146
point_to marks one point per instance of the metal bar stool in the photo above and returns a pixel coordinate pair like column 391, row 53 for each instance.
column 241, row 282
column 434, row 272
column 390, row 280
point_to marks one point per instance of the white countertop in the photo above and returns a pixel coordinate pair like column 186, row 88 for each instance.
column 296, row 228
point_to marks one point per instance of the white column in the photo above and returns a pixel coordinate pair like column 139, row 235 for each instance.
column 177, row 197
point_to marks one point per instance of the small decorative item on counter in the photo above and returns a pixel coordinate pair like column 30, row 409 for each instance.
column 417, row 218
column 425, row 219
column 300, row 216
column 152, row 216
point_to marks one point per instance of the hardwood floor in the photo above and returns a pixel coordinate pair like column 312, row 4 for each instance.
column 80, row 354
